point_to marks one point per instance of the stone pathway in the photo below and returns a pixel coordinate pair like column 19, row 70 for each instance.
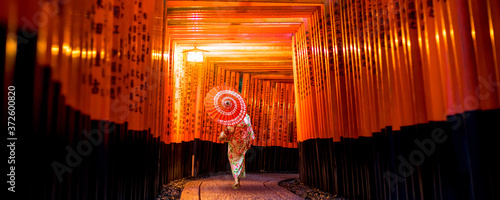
column 254, row 186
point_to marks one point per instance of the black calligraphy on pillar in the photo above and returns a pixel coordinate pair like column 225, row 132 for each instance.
column 116, row 12
column 430, row 7
column 98, row 28
column 98, row 59
column 95, row 88
column 99, row 4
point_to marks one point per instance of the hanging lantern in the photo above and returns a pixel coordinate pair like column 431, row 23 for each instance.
column 194, row 55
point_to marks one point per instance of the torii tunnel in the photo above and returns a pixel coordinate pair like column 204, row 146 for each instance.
column 364, row 99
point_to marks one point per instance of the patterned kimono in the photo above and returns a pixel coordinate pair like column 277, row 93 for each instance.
column 239, row 138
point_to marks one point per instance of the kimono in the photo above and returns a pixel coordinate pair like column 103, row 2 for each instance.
column 239, row 138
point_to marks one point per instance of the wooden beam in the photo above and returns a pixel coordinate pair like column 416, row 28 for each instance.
column 245, row 3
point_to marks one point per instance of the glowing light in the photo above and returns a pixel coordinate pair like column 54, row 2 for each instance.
column 55, row 49
column 41, row 47
column 66, row 49
column 11, row 44
column 76, row 53
column 195, row 56
column 10, row 53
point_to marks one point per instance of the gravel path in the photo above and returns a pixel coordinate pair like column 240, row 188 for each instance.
column 305, row 192
column 173, row 190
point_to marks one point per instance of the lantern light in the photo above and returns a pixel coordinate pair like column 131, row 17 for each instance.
column 195, row 55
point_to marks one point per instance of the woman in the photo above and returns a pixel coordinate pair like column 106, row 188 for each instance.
column 239, row 138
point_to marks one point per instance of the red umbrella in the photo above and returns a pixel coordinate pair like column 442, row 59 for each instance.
column 225, row 105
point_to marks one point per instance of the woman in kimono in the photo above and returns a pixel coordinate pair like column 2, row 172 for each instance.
column 239, row 138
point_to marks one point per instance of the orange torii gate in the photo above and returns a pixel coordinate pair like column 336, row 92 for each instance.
column 366, row 99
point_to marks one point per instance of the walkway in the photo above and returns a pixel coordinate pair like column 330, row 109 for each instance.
column 254, row 186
